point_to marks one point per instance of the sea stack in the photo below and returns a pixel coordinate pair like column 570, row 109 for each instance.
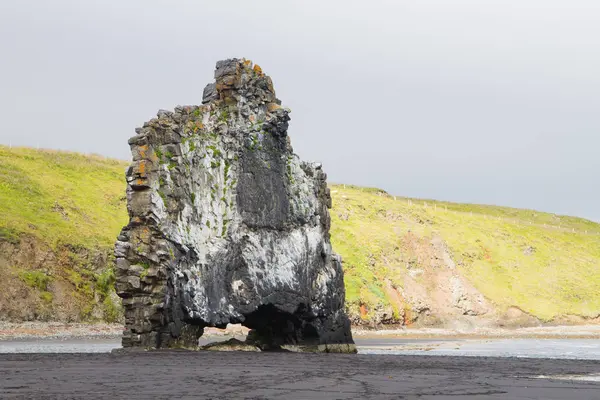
column 228, row 225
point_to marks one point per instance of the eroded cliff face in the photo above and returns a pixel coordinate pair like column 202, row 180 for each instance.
column 227, row 225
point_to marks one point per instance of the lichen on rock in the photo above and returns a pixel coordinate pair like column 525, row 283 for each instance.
column 228, row 225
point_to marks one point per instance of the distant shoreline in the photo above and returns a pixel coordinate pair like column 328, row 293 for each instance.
column 58, row 330
column 538, row 332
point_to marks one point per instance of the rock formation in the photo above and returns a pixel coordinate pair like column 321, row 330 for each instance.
column 227, row 225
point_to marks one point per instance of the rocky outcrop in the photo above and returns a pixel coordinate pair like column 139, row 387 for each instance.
column 227, row 225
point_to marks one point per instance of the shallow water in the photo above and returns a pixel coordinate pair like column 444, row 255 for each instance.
column 588, row 349
column 584, row 349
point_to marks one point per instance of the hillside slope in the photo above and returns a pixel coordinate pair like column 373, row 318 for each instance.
column 59, row 215
column 406, row 261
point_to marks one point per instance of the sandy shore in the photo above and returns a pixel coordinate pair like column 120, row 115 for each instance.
column 57, row 330
column 207, row 375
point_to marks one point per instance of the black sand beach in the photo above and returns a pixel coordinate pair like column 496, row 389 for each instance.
column 235, row 375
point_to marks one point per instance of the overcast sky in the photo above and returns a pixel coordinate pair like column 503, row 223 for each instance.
column 480, row 101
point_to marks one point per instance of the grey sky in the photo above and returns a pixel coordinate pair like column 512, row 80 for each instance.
column 477, row 101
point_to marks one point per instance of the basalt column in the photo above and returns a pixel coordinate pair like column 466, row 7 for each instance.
column 227, row 225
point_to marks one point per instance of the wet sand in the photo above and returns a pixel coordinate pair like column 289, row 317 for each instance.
column 221, row 375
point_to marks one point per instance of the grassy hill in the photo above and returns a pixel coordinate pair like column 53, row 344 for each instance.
column 544, row 264
column 404, row 259
column 59, row 214
column 61, row 197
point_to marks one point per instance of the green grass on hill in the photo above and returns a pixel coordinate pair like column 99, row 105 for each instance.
column 547, row 265
column 61, row 197
column 68, row 209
